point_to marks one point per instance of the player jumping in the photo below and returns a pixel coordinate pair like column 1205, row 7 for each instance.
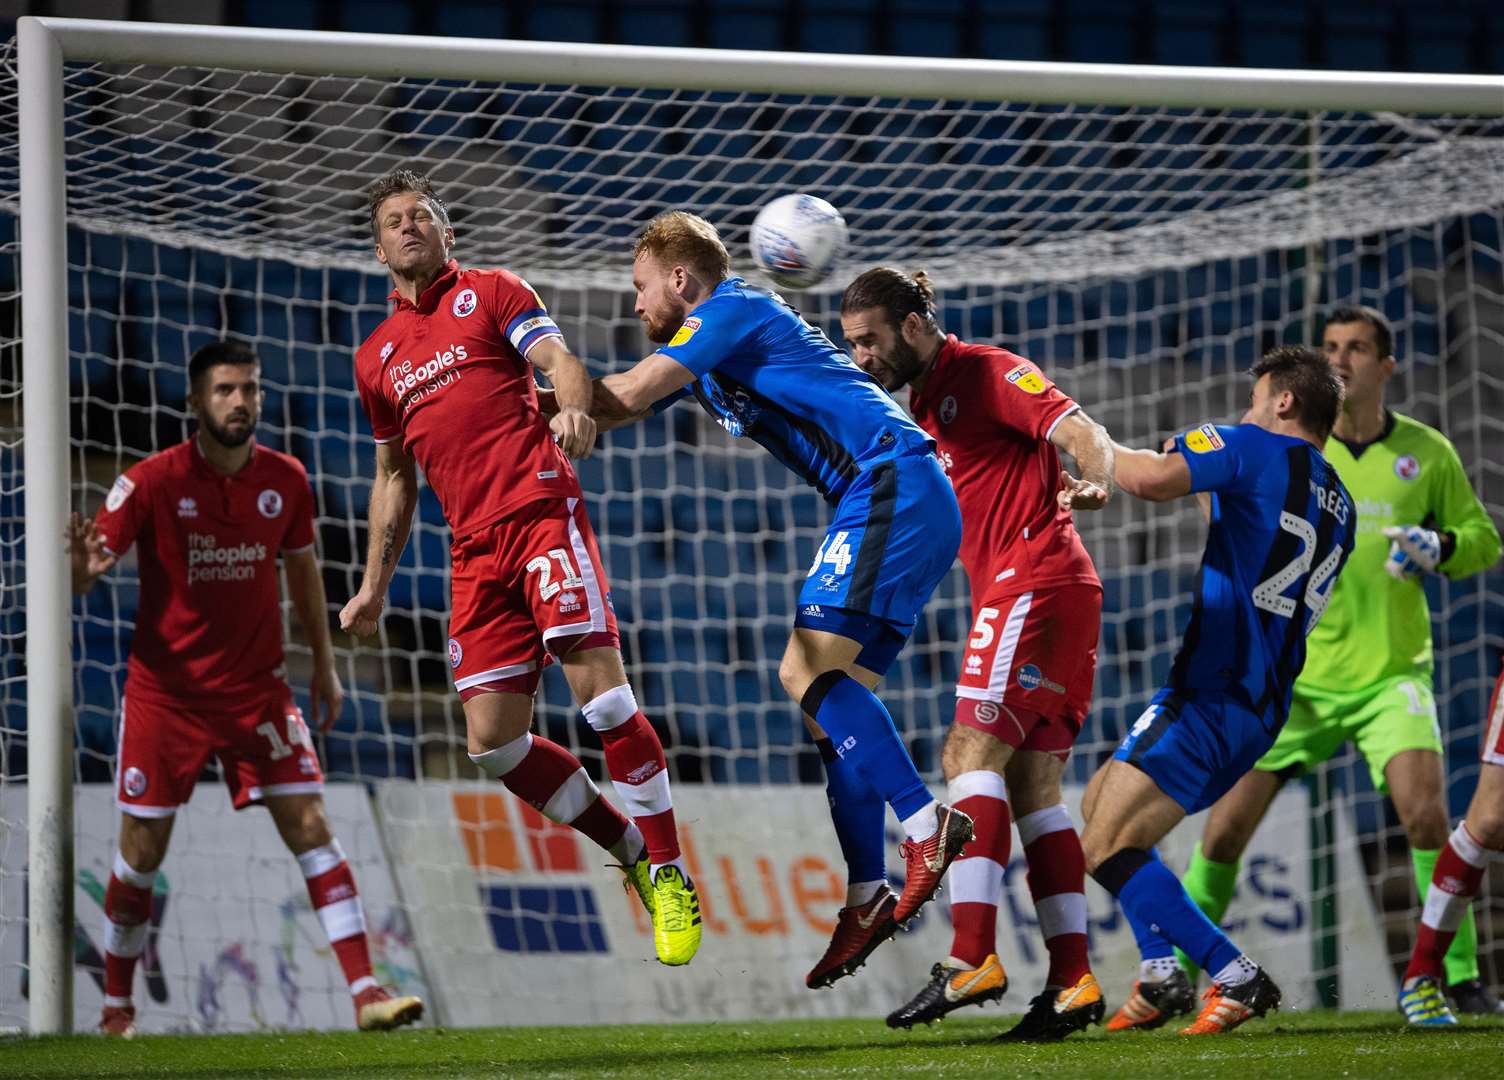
column 1368, row 664
column 763, row 372
column 1281, row 526
column 209, row 518
column 1025, row 686
column 1459, row 872
column 447, row 381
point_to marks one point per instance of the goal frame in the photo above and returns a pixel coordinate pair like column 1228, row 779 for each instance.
column 45, row 44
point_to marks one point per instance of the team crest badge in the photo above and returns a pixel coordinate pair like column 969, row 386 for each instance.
column 1027, row 379
column 1406, row 467
column 119, row 492
column 947, row 410
column 464, row 303
column 456, row 654
column 134, row 782
column 386, row 350
column 1204, row 439
column 269, row 502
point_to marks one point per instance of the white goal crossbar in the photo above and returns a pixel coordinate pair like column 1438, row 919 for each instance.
column 46, row 44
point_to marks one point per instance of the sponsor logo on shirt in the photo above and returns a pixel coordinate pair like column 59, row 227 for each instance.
column 973, row 664
column 1204, row 439
column 269, row 502
column 985, row 712
column 1031, row 678
column 685, row 332
column 1027, row 379
column 456, row 654
column 1141, row 725
column 119, row 492
column 947, row 410
column 812, row 611
column 569, row 602
column 1406, row 467
column 386, row 350
column 209, row 561
column 464, row 303
column 187, row 507
column 134, row 782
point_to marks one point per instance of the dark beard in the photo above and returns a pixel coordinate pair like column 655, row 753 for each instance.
column 225, row 437
column 905, row 365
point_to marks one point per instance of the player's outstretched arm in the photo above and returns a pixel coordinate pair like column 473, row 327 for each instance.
column 305, row 585
column 605, row 410
column 394, row 498
column 1150, row 474
column 636, row 390
column 1088, row 443
column 86, row 553
column 573, row 427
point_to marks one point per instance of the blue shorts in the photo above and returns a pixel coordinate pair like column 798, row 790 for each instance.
column 1195, row 751
column 894, row 538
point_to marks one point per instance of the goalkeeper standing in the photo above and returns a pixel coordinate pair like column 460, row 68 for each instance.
column 1367, row 676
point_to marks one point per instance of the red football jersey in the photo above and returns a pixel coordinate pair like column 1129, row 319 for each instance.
column 210, row 622
column 991, row 414
column 449, row 377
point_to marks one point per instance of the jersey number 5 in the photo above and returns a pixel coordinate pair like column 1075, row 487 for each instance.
column 1269, row 594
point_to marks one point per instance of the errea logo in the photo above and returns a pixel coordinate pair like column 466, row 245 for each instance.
column 187, row 507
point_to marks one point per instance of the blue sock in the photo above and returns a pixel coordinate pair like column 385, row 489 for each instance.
column 864, row 737
column 858, row 814
column 1153, row 898
column 1151, row 944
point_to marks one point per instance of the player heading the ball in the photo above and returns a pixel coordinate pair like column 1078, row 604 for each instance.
column 1026, row 679
column 209, row 519
column 1281, row 526
column 766, row 374
column 447, row 382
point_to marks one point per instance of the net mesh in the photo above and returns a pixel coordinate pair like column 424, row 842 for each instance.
column 1143, row 256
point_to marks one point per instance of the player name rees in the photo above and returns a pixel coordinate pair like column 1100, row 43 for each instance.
column 208, row 561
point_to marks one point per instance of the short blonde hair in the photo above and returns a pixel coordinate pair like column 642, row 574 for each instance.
column 679, row 238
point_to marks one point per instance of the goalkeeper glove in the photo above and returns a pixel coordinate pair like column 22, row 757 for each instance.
column 1413, row 550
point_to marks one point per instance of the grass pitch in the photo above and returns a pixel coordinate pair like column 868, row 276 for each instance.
column 1289, row 1045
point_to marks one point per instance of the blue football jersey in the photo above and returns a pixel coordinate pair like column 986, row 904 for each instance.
column 1282, row 525
column 766, row 374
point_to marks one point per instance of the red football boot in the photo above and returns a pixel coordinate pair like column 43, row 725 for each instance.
column 925, row 861
column 859, row 930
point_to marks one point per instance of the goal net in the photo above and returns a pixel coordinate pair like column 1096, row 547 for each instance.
column 1144, row 254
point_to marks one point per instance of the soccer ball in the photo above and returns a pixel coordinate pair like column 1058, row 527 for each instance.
column 796, row 239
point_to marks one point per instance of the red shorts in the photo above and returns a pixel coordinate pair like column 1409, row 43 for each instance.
column 1029, row 665
column 1491, row 744
column 262, row 744
column 524, row 590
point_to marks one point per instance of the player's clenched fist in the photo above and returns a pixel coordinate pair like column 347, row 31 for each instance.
column 574, row 431
column 361, row 614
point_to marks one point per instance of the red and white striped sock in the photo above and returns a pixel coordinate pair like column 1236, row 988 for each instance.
column 127, row 911
column 1454, row 883
column 634, row 758
column 975, row 879
column 1057, row 881
column 552, row 781
column 331, row 887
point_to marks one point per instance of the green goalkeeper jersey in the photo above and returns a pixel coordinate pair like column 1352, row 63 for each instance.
column 1376, row 627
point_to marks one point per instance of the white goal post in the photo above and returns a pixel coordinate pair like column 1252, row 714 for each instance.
column 45, row 45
